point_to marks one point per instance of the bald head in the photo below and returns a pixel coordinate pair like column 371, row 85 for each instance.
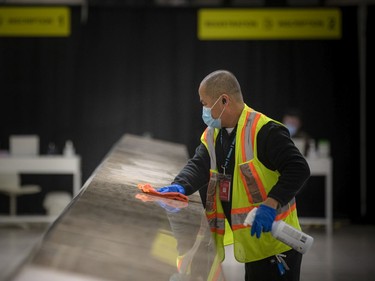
column 222, row 82
column 221, row 92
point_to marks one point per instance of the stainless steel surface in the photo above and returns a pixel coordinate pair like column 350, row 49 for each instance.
column 113, row 231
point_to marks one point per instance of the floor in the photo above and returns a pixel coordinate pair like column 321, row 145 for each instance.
column 346, row 255
column 16, row 242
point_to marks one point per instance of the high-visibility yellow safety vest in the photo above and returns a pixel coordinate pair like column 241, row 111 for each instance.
column 251, row 183
column 184, row 261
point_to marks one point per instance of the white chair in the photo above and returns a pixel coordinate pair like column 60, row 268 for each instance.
column 10, row 184
column 55, row 202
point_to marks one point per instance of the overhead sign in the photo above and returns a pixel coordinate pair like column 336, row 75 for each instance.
column 34, row 21
column 259, row 24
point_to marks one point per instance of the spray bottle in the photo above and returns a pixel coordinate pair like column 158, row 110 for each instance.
column 285, row 233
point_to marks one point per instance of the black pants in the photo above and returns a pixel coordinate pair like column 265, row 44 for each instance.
column 267, row 269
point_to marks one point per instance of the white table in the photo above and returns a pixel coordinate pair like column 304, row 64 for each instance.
column 49, row 164
column 322, row 167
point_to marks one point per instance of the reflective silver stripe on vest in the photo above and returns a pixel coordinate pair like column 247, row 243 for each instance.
column 251, row 183
column 240, row 218
column 211, row 146
column 247, row 138
column 217, row 223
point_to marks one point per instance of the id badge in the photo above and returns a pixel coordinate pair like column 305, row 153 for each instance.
column 224, row 187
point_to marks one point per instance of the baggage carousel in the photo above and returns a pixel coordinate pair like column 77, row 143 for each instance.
column 112, row 230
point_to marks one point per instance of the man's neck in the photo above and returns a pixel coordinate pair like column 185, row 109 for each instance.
column 236, row 116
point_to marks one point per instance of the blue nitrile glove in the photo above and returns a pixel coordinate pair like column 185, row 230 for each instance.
column 263, row 220
column 172, row 188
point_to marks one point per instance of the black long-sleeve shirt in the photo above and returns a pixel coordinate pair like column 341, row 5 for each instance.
column 275, row 150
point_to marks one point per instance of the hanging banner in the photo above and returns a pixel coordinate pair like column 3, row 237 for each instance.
column 34, row 21
column 259, row 24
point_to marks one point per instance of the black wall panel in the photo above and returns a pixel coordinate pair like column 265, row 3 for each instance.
column 137, row 70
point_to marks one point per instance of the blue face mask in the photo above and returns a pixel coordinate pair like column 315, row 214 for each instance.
column 207, row 116
column 292, row 129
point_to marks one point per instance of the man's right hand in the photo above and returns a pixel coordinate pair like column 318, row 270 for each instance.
column 172, row 188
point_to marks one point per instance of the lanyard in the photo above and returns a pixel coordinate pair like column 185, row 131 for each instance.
column 226, row 163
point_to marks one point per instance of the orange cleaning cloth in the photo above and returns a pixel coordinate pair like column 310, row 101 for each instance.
column 147, row 188
column 175, row 204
